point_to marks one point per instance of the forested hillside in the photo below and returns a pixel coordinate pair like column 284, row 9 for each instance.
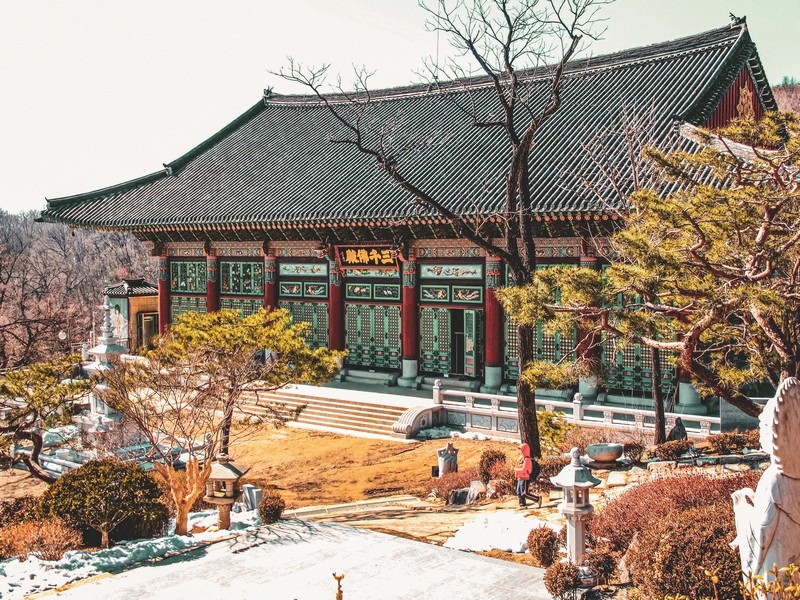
column 787, row 95
column 51, row 280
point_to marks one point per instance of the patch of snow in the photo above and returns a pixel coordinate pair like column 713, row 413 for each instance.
column 59, row 435
column 501, row 530
column 18, row 579
column 435, row 433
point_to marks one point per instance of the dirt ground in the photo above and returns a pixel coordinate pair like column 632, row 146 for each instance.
column 312, row 468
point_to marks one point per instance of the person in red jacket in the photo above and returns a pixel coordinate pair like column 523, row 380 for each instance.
column 527, row 470
column 523, row 472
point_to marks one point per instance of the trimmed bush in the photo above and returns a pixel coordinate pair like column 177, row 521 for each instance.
column 503, row 474
column 18, row 510
column 634, row 451
column 562, row 579
column 543, row 544
column 618, row 521
column 550, row 466
column 47, row 539
column 102, row 495
column 271, row 507
column 673, row 450
column 580, row 437
column 733, row 441
column 488, row 459
column 602, row 562
column 448, row 482
column 673, row 553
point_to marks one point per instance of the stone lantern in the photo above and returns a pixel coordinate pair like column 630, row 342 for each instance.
column 222, row 487
column 576, row 480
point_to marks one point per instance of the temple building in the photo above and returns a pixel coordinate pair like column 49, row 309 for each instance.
column 268, row 212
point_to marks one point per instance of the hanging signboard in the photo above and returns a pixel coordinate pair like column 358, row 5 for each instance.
column 365, row 257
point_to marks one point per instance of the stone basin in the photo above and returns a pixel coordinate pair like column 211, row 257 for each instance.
column 604, row 452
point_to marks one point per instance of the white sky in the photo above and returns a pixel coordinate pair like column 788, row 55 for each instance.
column 97, row 92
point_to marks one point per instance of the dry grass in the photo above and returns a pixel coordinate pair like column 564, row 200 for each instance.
column 315, row 468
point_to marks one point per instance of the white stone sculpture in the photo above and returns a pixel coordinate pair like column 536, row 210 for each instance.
column 768, row 520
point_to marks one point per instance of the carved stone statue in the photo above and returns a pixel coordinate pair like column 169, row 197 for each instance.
column 768, row 520
column 678, row 432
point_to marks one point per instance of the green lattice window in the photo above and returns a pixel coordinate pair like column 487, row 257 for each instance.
column 512, row 349
column 188, row 276
column 315, row 313
column 628, row 369
column 245, row 307
column 183, row 304
column 372, row 335
column 245, row 278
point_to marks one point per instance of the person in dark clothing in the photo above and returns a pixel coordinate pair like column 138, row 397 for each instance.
column 678, row 432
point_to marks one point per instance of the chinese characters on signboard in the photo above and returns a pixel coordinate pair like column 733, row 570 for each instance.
column 366, row 257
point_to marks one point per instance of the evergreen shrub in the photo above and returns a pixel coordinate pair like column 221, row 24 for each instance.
column 271, row 507
column 543, row 544
column 673, row 450
column 47, row 539
column 18, row 510
column 488, row 459
column 620, row 519
column 102, row 495
column 562, row 579
column 674, row 553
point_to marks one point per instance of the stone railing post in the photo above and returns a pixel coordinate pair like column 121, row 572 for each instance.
column 577, row 408
column 438, row 397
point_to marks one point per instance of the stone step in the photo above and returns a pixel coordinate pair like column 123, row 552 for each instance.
column 298, row 399
column 382, row 413
column 326, row 413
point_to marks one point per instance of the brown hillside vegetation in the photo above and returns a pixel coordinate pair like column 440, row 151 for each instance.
column 788, row 97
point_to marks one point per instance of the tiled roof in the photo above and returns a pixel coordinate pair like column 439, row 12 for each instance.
column 275, row 164
column 130, row 287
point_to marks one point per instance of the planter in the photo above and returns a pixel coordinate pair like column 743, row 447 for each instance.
column 604, row 452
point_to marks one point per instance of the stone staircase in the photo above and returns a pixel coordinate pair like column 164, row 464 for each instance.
column 320, row 412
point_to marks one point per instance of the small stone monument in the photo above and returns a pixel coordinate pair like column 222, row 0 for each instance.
column 448, row 459
column 575, row 480
column 768, row 519
column 222, row 487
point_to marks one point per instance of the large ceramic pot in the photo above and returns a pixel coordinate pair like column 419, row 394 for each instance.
column 604, row 452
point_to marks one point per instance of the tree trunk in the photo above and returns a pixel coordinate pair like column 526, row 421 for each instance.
column 660, row 433
column 104, row 542
column 182, row 517
column 526, row 396
column 32, row 461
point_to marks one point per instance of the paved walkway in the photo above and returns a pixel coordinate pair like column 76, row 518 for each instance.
column 295, row 560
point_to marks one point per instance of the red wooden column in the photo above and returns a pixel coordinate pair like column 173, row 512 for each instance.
column 212, row 283
column 587, row 345
column 409, row 320
column 163, row 294
column 493, row 344
column 335, row 307
column 270, row 282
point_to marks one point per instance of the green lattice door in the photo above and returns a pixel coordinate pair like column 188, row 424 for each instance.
column 372, row 335
column 473, row 343
column 435, row 342
column 315, row 313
